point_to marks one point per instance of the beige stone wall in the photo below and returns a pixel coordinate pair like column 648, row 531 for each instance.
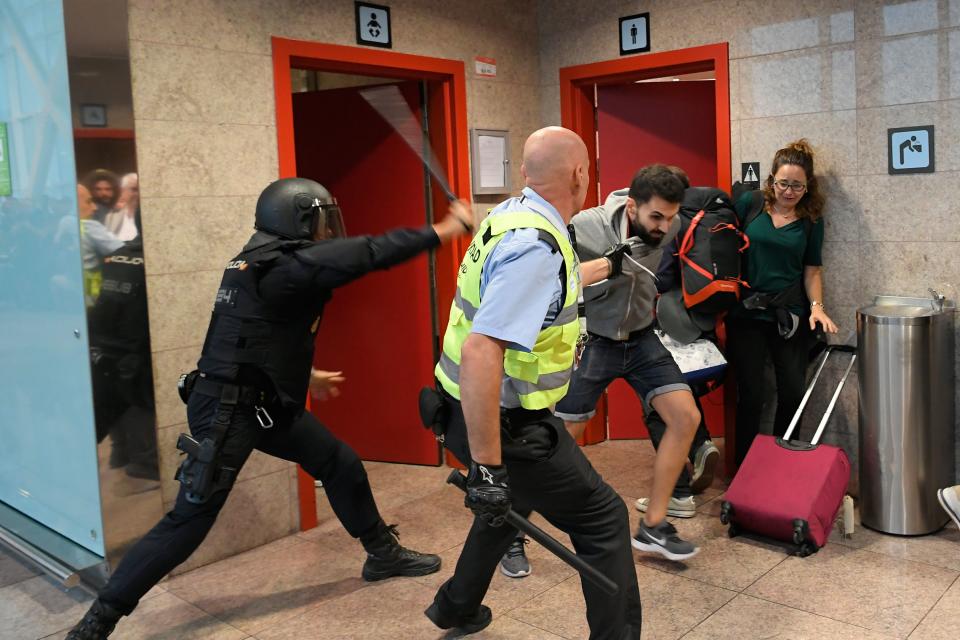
column 838, row 72
column 206, row 142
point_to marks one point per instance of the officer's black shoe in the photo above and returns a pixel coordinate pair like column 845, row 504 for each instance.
column 469, row 624
column 386, row 558
column 97, row 624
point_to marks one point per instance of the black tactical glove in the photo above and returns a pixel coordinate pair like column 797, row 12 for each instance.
column 488, row 494
column 615, row 256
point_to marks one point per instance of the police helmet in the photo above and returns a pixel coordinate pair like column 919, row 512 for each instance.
column 296, row 208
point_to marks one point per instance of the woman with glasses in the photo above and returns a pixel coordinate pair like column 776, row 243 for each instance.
column 783, row 266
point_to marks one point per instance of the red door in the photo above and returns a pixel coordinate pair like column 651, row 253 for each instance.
column 639, row 124
column 377, row 330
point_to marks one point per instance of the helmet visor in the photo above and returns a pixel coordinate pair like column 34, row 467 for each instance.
column 330, row 223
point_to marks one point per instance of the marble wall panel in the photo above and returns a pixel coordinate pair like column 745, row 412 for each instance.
column 200, row 85
column 832, row 134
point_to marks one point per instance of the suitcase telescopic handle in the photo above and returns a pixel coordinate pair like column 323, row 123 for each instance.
column 844, row 348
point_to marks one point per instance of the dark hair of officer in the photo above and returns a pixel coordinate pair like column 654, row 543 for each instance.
column 297, row 209
column 656, row 180
column 798, row 153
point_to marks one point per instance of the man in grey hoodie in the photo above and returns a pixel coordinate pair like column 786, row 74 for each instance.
column 622, row 343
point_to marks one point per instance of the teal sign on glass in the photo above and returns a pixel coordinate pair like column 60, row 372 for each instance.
column 6, row 184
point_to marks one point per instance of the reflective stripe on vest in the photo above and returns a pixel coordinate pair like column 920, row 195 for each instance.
column 535, row 379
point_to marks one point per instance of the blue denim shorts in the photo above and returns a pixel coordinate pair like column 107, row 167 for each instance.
column 641, row 360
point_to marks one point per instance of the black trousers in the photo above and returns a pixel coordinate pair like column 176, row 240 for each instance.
column 301, row 439
column 748, row 343
column 549, row 474
column 657, row 427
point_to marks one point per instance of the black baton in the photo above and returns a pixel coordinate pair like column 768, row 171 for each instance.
column 552, row 545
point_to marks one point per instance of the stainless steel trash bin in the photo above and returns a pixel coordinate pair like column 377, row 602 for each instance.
column 906, row 348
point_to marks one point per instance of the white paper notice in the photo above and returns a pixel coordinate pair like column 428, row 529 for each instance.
column 492, row 155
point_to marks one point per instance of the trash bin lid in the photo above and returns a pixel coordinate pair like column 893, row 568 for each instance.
column 897, row 314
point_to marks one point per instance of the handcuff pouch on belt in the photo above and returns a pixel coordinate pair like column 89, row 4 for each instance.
column 434, row 412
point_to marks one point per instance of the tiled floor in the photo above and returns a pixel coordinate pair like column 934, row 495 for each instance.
column 308, row 586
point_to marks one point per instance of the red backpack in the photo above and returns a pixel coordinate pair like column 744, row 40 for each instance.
column 710, row 248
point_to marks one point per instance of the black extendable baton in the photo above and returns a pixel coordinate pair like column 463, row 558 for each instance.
column 552, row 545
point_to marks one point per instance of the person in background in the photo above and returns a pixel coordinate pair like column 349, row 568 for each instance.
column 950, row 501
column 784, row 266
column 95, row 243
column 105, row 189
column 120, row 221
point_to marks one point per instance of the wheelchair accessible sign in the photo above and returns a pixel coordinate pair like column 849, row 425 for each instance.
column 910, row 150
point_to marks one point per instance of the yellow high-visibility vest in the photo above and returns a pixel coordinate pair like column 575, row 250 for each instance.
column 538, row 378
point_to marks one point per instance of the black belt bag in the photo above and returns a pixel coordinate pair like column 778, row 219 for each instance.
column 434, row 411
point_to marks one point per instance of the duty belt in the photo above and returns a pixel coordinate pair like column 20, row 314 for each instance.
column 233, row 394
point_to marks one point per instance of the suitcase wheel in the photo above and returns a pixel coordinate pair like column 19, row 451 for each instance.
column 807, row 549
column 733, row 531
column 801, row 531
column 726, row 510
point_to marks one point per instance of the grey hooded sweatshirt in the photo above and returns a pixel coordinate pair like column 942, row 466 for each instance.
column 620, row 305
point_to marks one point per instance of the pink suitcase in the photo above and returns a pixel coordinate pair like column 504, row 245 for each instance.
column 791, row 490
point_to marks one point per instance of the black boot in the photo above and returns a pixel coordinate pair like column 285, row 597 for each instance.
column 386, row 558
column 97, row 624
column 465, row 624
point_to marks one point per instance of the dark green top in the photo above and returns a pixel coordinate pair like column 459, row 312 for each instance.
column 776, row 257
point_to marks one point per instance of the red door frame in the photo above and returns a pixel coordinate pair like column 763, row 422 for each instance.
column 448, row 135
column 577, row 114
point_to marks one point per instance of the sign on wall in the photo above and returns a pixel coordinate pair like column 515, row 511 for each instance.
column 6, row 183
column 485, row 67
column 635, row 33
column 910, row 150
column 373, row 25
column 750, row 174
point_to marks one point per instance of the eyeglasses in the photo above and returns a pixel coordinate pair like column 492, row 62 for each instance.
column 799, row 187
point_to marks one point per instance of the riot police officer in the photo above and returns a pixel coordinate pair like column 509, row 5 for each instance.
column 250, row 388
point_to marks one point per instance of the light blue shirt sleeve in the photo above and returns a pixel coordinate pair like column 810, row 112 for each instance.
column 519, row 291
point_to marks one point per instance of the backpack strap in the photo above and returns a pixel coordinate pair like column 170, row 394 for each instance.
column 756, row 208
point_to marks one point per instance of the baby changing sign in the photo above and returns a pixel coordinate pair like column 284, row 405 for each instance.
column 910, row 150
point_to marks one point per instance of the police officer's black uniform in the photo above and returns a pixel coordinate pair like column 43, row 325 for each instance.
column 120, row 359
column 251, row 389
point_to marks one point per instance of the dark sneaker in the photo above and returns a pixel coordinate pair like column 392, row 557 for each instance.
column 386, row 558
column 950, row 501
column 471, row 624
column 97, row 624
column 663, row 539
column 676, row 508
column 514, row 563
column 704, row 465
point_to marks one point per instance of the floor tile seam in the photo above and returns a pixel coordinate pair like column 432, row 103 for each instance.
column 209, row 567
column 534, row 626
column 932, row 607
column 692, row 579
column 764, row 574
column 206, row 613
column 707, row 617
column 896, row 557
column 886, row 555
column 535, row 596
column 818, row 615
column 276, row 622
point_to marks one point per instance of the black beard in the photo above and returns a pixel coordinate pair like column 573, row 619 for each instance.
column 645, row 236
